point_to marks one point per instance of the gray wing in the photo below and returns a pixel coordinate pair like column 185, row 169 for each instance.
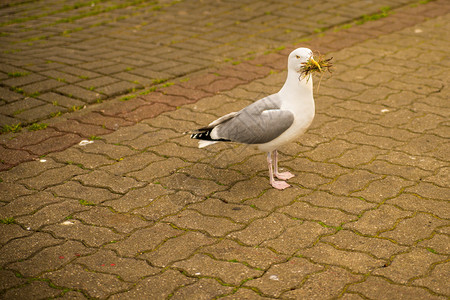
column 258, row 123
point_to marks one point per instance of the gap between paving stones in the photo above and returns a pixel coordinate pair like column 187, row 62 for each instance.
column 103, row 119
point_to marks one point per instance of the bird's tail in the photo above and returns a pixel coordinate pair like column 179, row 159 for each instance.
column 204, row 135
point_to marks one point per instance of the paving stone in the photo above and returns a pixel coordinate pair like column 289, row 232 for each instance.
column 23, row 80
column 23, row 247
column 111, row 123
column 385, row 188
column 238, row 213
column 113, row 151
column 42, row 86
column 28, row 204
column 31, row 290
column 80, row 93
column 353, row 205
column 74, row 190
column 379, row 288
column 284, row 276
column 416, row 262
column 256, row 257
column 92, row 236
column 136, row 198
column 229, row 272
column 386, row 215
column 299, row 236
column 11, row 191
column 214, row 226
column 203, row 289
column 74, row 156
column 144, row 142
column 319, row 285
column 407, row 172
column 179, row 181
column 128, row 269
column 117, row 88
column 324, row 152
column 37, row 113
column 328, row 216
column 50, row 258
column 31, row 138
column 79, row 278
column 11, row 231
column 174, row 150
column 9, row 280
column 355, row 261
column 16, row 107
column 241, row 188
column 135, row 245
column 207, row 171
column 52, row 177
column 271, row 200
column 117, row 184
column 146, row 112
column 9, row 95
column 439, row 178
column 438, row 243
column 166, row 205
column 380, row 248
column 193, row 94
column 428, row 190
column 101, row 216
column 244, row 293
column 28, row 169
column 436, row 280
column 327, row 170
column 14, row 157
column 158, row 169
column 404, row 233
column 263, row 229
column 84, row 130
column 61, row 76
column 128, row 133
column 351, row 296
column 177, row 249
column 97, row 82
column 54, row 144
column 157, row 287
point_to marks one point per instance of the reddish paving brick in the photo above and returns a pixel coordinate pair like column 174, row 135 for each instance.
column 14, row 157
column 54, row 144
column 146, row 112
column 84, row 130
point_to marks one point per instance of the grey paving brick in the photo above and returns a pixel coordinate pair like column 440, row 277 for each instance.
column 38, row 113
column 60, row 100
column 80, row 93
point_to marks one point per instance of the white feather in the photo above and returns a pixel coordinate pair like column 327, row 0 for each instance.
column 203, row 144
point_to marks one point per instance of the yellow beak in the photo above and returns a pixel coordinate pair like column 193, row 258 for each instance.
column 316, row 63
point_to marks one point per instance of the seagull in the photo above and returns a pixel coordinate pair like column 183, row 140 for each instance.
column 270, row 122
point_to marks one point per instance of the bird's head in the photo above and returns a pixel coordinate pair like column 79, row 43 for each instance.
column 298, row 57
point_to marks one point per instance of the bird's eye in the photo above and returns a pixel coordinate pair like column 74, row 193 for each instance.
column 297, row 56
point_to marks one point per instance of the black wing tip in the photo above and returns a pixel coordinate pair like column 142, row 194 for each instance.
column 205, row 135
column 202, row 134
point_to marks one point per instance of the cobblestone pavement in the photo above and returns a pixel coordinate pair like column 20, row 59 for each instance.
column 137, row 211
column 57, row 56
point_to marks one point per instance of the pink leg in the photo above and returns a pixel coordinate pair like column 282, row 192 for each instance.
column 284, row 175
column 280, row 185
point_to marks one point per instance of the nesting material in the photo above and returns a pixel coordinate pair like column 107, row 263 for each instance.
column 320, row 64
